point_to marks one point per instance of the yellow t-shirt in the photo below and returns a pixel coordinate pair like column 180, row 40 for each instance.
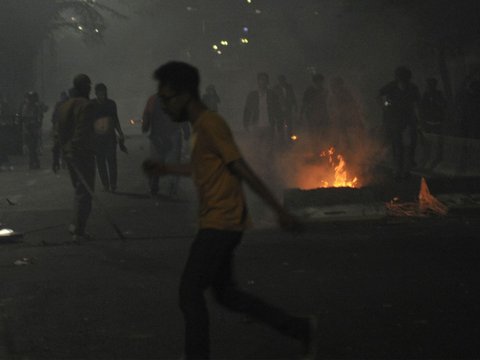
column 222, row 204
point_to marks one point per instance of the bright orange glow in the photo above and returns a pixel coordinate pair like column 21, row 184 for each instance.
column 294, row 137
column 331, row 173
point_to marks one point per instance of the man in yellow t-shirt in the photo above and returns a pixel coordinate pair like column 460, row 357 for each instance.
column 218, row 171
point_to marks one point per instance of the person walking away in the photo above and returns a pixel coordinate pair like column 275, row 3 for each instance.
column 31, row 115
column 107, row 127
column 433, row 109
column 288, row 106
column 6, row 124
column 401, row 99
column 346, row 119
column 74, row 139
column 211, row 98
column 314, row 113
column 165, row 141
column 218, row 170
column 261, row 116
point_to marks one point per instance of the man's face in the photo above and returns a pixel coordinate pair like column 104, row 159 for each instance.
column 174, row 103
column 101, row 95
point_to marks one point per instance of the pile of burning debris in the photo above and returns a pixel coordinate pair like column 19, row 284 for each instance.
column 327, row 190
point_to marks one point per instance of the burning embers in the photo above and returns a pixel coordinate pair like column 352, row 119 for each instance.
column 324, row 170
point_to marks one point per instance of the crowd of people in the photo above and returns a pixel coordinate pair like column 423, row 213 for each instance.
column 87, row 133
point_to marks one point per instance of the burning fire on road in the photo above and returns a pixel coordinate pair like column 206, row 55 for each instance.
column 324, row 170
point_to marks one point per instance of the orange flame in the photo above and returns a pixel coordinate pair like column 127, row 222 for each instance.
column 335, row 174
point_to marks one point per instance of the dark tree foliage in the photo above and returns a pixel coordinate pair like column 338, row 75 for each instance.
column 26, row 24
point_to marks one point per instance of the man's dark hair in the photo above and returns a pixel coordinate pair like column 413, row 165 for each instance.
column 179, row 76
column 101, row 87
column 80, row 81
column 318, row 78
column 403, row 73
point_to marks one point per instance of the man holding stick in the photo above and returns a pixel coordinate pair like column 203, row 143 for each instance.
column 218, row 171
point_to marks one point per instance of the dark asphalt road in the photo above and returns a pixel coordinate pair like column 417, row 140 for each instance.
column 390, row 289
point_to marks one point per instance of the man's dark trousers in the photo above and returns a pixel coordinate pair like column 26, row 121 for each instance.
column 106, row 154
column 82, row 203
column 210, row 264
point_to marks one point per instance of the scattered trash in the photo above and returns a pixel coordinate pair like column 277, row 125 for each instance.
column 23, row 262
column 6, row 232
column 428, row 203
column 8, row 235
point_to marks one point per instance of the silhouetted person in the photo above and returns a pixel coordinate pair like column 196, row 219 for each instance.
column 345, row 116
column 107, row 127
column 470, row 120
column 74, row 139
column 288, row 105
column 218, row 170
column 315, row 112
column 261, row 114
column 165, row 141
column 400, row 100
column 211, row 98
column 433, row 108
column 6, row 122
column 31, row 115
column 63, row 97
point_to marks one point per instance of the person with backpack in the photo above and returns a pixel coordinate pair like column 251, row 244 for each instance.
column 106, row 127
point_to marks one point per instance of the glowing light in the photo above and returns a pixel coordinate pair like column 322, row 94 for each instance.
column 249, row 1
column 80, row 27
column 244, row 40
column 219, row 52
column 6, row 232
column 215, row 47
column 73, row 18
column 294, row 137
column 224, row 42
column 258, row 11
column 97, row 31
column 332, row 173
column 245, row 29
